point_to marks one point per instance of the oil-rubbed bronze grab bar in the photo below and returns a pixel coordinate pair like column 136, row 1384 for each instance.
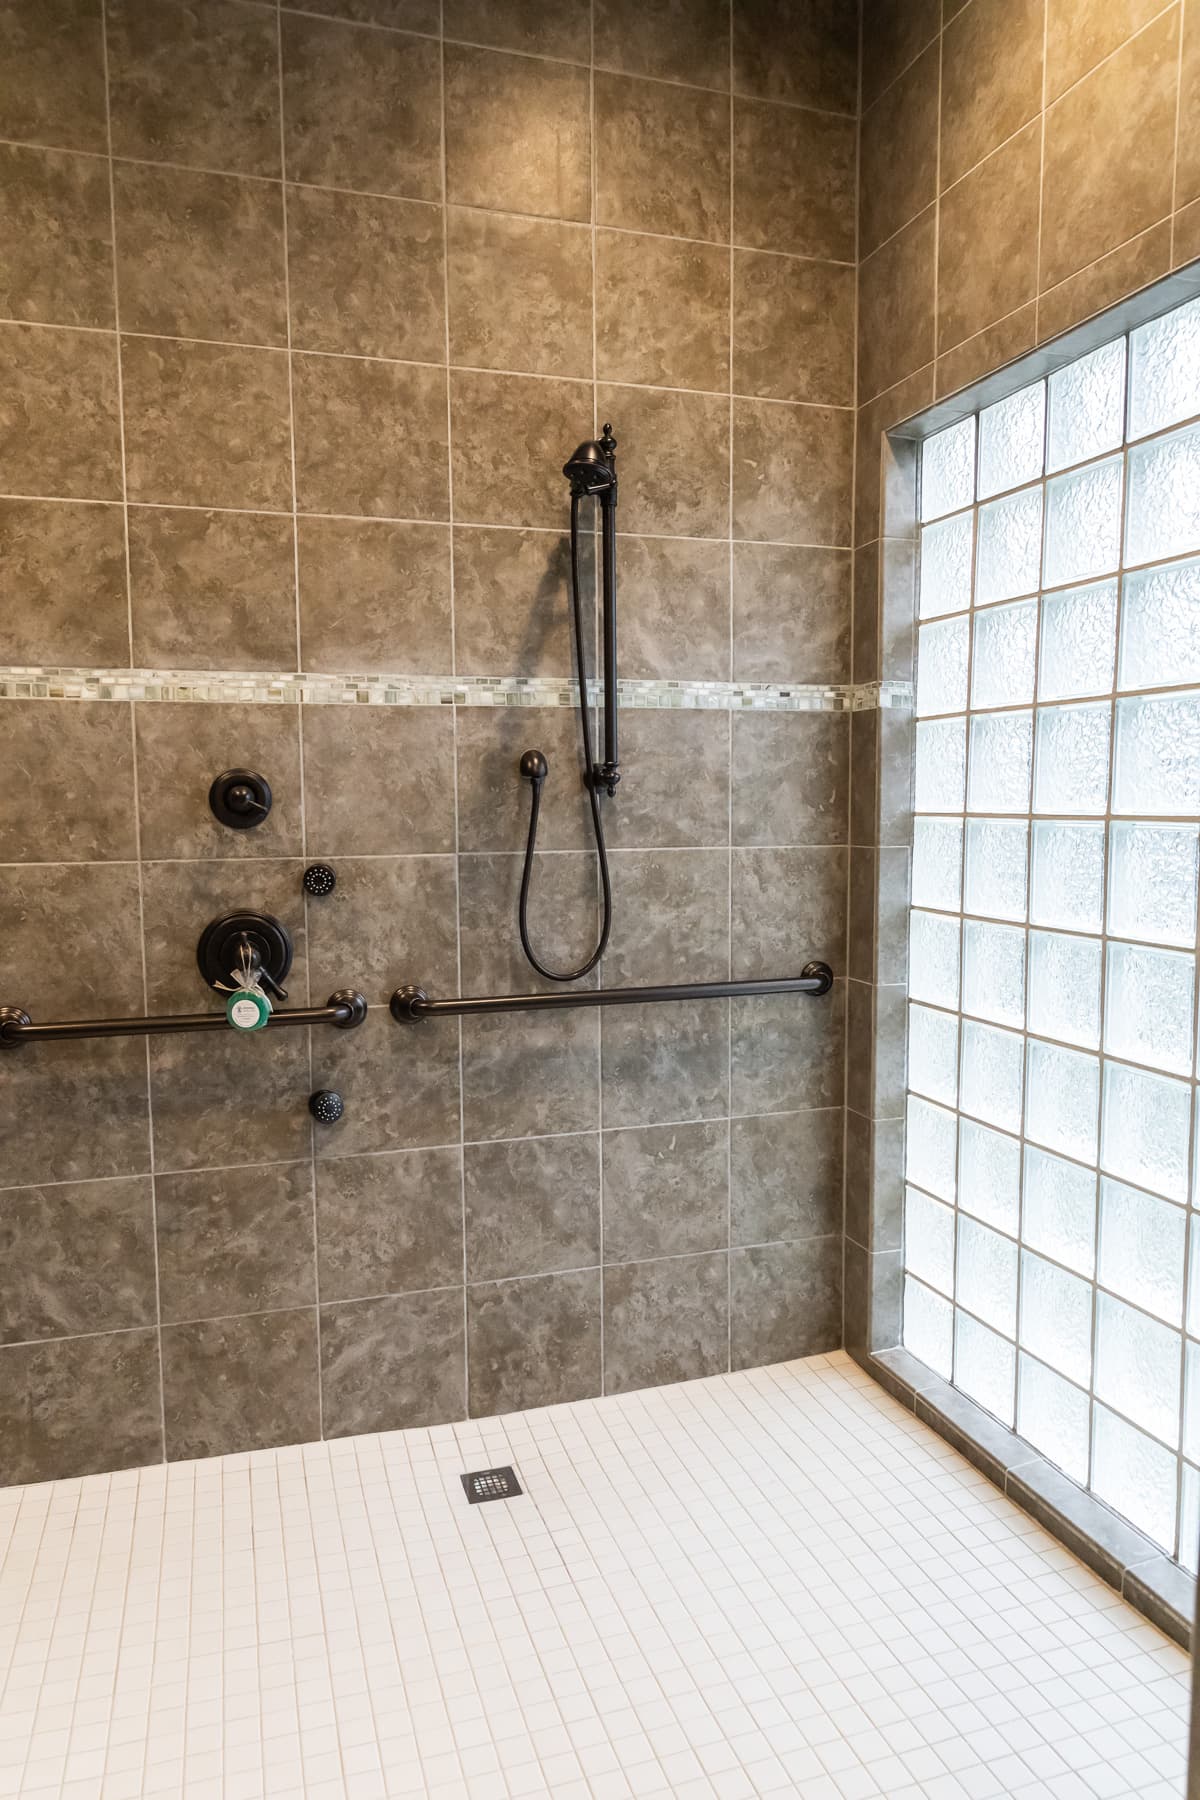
column 411, row 1003
column 345, row 1009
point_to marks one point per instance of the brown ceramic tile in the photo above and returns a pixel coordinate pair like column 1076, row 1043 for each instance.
column 665, row 1063
column 52, row 73
column 365, row 275
column 803, row 51
column 55, row 237
column 897, row 31
column 991, row 349
column 400, row 1084
column 195, row 84
column 370, row 438
column 898, row 173
column 873, row 464
column 493, row 800
column 785, row 1301
column 71, row 947
column 670, row 40
column 864, row 778
column 374, row 596
column 62, row 584
column 511, row 602
column 670, row 917
column 793, row 328
column 183, row 748
column 1081, row 33
column 76, row 1258
column 792, row 472
column 791, row 610
column 390, row 919
column 648, row 130
column 673, row 459
column 199, row 255
column 1101, row 188
column 378, row 781
column 68, row 790
column 676, row 787
column 991, row 78
column 563, row 923
column 520, row 293
column 221, row 1099
column 235, row 1241
column 788, row 906
column 786, row 1176
column 518, row 134
column 665, row 1321
column 362, row 109
column 540, row 27
column 206, row 424
column 79, row 1405
column 790, row 778
column 78, row 1111
column 534, row 1342
column 179, row 899
column 865, row 629
column 860, row 964
column 394, row 1363
column 896, row 307
column 1122, row 271
column 530, row 1075
column 1187, row 233
column 531, row 426
column 532, row 1206
column 666, row 1191
column 211, row 589
column 240, row 1384
column 59, row 429
column 674, row 600
column 985, row 276
column 1187, row 155
column 389, row 1224
column 662, row 312
column 793, row 180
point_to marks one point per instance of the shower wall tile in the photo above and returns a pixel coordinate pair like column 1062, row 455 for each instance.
column 991, row 78
column 400, row 1083
column 52, row 73
column 790, row 778
column 511, row 605
column 786, row 1176
column 370, row 438
column 55, row 237
column 529, row 1075
column 677, row 450
column 674, row 608
column 793, row 328
column 807, row 55
column 662, row 1064
column 366, row 275
column 667, row 41
column 182, row 748
column 665, row 1321
column 788, row 906
column 899, row 152
column 96, row 1094
column 240, row 1384
column 791, row 612
column 533, row 1342
column 679, row 797
column 223, row 1101
column 388, row 915
column 520, row 293
column 374, row 596
column 235, row 1241
column 347, row 812
column 59, row 426
column 785, row 1300
column 389, row 1224
column 784, row 1057
column 1122, row 271
column 75, row 1406
column 179, row 899
column 646, row 126
column 68, row 792
column 792, row 472
column 493, row 801
column 70, row 947
column 538, row 27
column 532, row 1206
column 393, row 1362
column 76, row 1258
column 562, row 920
column 62, row 583
column 671, row 917
column 208, row 586
column 518, row 134
column 896, row 298
column 662, row 312
column 666, row 1190
column 898, row 30
column 1082, row 34
column 793, row 180
column 404, row 15
column 502, row 428
column 986, row 276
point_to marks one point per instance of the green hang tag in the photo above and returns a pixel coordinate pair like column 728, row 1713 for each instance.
column 247, row 1011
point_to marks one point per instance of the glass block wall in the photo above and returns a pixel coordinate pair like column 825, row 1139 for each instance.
column 1052, row 1237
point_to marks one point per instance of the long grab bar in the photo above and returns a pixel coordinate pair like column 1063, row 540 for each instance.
column 413, row 1003
column 345, row 1009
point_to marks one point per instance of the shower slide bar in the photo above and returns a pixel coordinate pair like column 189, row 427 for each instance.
column 413, row 1003
column 345, row 1009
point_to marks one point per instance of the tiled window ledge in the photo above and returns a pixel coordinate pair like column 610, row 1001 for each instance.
column 1129, row 1562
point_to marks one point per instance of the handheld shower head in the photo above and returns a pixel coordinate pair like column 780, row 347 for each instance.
column 591, row 469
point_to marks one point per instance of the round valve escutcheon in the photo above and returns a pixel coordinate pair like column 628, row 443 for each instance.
column 240, row 799
column 326, row 1107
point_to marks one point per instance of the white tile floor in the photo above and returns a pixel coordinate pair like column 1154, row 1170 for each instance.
column 768, row 1583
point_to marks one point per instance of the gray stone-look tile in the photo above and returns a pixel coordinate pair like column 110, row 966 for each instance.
column 675, row 783
column 788, row 907
column 59, row 425
column 389, row 920
column 785, row 1301
column 563, row 920
column 370, row 438
column 235, row 1241
column 860, row 1047
column 400, row 1082
column 389, row 1224
column 792, row 472
column 646, row 127
column 793, row 180
column 662, row 311
column 786, row 1051
column 674, row 600
column 55, row 237
column 520, row 293
column 665, row 1321
column 374, row 597
column 860, row 948
column 94, row 1093
column 786, row 1176
column 518, row 134
column 675, row 472
column 791, row 613
column 872, row 1300
column 52, row 73
column 793, row 328
column 183, row 747
column 533, row 1342
column 210, row 589
column 62, row 584
column 530, row 1074
column 671, row 917
column 365, row 275
column 75, row 1406
column 670, row 40
column 532, row 1206
column 70, row 947
column 76, row 1258
column 512, row 602
column 540, row 27
column 378, row 781
column 493, row 799
column 221, row 1099
column 666, row 1191
column 806, row 55
column 790, row 778
column 68, row 788
column 240, row 1384
column 532, row 426
column 393, row 1363
column 665, row 1063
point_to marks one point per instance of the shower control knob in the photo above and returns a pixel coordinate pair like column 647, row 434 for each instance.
column 240, row 799
column 319, row 880
column 326, row 1107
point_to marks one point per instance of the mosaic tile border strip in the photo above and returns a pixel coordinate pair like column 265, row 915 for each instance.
column 283, row 689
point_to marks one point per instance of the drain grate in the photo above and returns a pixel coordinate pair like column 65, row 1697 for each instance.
column 491, row 1484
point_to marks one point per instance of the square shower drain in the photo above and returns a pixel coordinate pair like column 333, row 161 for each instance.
column 491, row 1484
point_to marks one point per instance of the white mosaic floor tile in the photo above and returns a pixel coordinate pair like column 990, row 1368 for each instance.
column 769, row 1583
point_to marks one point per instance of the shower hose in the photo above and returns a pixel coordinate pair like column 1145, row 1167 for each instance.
column 534, row 767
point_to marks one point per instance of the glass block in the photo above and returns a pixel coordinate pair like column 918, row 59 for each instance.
column 987, row 1275
column 989, row 1176
column 948, row 470
column 1137, row 1367
column 945, row 581
column 937, row 863
column 985, row 1367
column 1054, row 1416
column 1145, row 1135
column 1009, row 553
column 928, row 1327
column 1001, row 746
column 1191, row 1401
column 1087, row 407
column 1162, row 515
column 940, row 765
column 1160, row 627
column 942, row 650
column 1189, row 1519
column 1060, row 1210
column 1157, row 768
column 1148, row 1006
column 1064, row 988
column 1005, row 653
column 1071, row 771
column 1164, row 370
column 1011, row 440
column 1083, row 523
column 997, row 851
column 933, row 1054
column 1056, row 1317
column 929, row 1240
column 1063, row 1100
column 994, row 972
column 1135, row 1475
column 991, row 1075
column 1067, row 886
column 1078, row 640
column 933, row 958
column 1142, row 1244
column 1152, row 883
column 930, row 1145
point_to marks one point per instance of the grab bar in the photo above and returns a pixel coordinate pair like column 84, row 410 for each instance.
column 345, row 1009
column 413, row 1003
